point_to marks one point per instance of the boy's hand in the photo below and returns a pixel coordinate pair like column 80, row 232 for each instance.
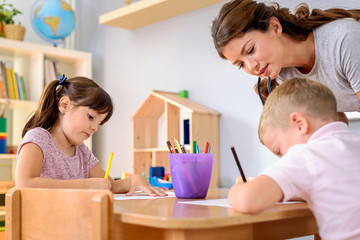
column 137, row 182
column 233, row 192
column 240, row 180
column 255, row 196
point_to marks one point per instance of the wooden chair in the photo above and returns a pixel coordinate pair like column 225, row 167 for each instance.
column 40, row 213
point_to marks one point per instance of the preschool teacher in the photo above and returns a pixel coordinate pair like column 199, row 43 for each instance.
column 272, row 43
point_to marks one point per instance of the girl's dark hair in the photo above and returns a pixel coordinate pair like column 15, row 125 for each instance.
column 237, row 17
column 81, row 91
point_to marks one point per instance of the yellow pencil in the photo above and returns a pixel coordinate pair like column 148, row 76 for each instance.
column 177, row 145
column 109, row 165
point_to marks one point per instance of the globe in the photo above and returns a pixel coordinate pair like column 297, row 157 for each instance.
column 52, row 20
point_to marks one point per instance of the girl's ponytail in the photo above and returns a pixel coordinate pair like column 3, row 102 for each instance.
column 47, row 110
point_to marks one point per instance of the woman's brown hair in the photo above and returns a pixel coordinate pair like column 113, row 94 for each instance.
column 240, row 16
column 237, row 17
column 81, row 91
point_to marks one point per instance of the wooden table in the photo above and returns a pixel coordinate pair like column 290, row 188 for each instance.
column 168, row 219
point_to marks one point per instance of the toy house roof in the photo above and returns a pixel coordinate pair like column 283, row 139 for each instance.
column 154, row 105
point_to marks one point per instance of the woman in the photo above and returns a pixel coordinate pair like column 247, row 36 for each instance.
column 272, row 43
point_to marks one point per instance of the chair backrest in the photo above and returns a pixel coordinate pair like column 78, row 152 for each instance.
column 43, row 213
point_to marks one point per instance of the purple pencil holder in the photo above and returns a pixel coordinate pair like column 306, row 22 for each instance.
column 191, row 174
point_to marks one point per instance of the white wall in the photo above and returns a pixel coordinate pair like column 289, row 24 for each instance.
column 170, row 55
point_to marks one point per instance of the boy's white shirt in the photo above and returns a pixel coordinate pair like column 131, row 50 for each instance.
column 325, row 173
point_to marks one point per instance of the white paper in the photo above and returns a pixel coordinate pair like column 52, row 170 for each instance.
column 289, row 202
column 140, row 195
column 222, row 202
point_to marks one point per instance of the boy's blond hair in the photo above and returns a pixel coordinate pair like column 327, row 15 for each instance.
column 305, row 96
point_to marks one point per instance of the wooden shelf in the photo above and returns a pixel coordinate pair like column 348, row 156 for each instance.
column 203, row 126
column 28, row 60
column 18, row 103
column 7, row 165
column 4, row 187
column 151, row 150
column 7, row 156
column 145, row 12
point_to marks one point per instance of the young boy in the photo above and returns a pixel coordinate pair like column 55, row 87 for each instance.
column 320, row 160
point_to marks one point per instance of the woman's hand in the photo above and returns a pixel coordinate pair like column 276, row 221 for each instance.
column 137, row 182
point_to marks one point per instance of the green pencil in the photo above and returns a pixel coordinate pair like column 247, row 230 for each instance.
column 194, row 147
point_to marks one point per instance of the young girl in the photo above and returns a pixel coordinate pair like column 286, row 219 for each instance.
column 270, row 41
column 52, row 153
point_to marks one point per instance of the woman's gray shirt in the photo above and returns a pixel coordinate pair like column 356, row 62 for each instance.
column 337, row 62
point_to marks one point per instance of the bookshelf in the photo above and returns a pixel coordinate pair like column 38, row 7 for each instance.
column 145, row 12
column 28, row 60
column 149, row 150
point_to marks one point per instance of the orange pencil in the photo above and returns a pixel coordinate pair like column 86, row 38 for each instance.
column 206, row 147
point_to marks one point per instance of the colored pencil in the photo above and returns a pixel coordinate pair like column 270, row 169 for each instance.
column 172, row 150
column 206, row 147
column 238, row 164
column 109, row 165
column 194, row 146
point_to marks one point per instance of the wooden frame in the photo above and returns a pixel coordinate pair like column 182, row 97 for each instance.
column 203, row 124
column 40, row 213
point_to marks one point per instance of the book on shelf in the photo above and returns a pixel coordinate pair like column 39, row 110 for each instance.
column 12, row 85
column 3, row 76
column 2, row 86
column 56, row 70
column 23, row 89
column 9, row 83
column 51, row 71
column 18, row 84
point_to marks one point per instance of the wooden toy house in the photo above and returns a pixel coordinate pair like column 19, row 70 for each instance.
column 169, row 107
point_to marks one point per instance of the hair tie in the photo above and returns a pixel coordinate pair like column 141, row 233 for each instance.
column 62, row 79
column 268, row 88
